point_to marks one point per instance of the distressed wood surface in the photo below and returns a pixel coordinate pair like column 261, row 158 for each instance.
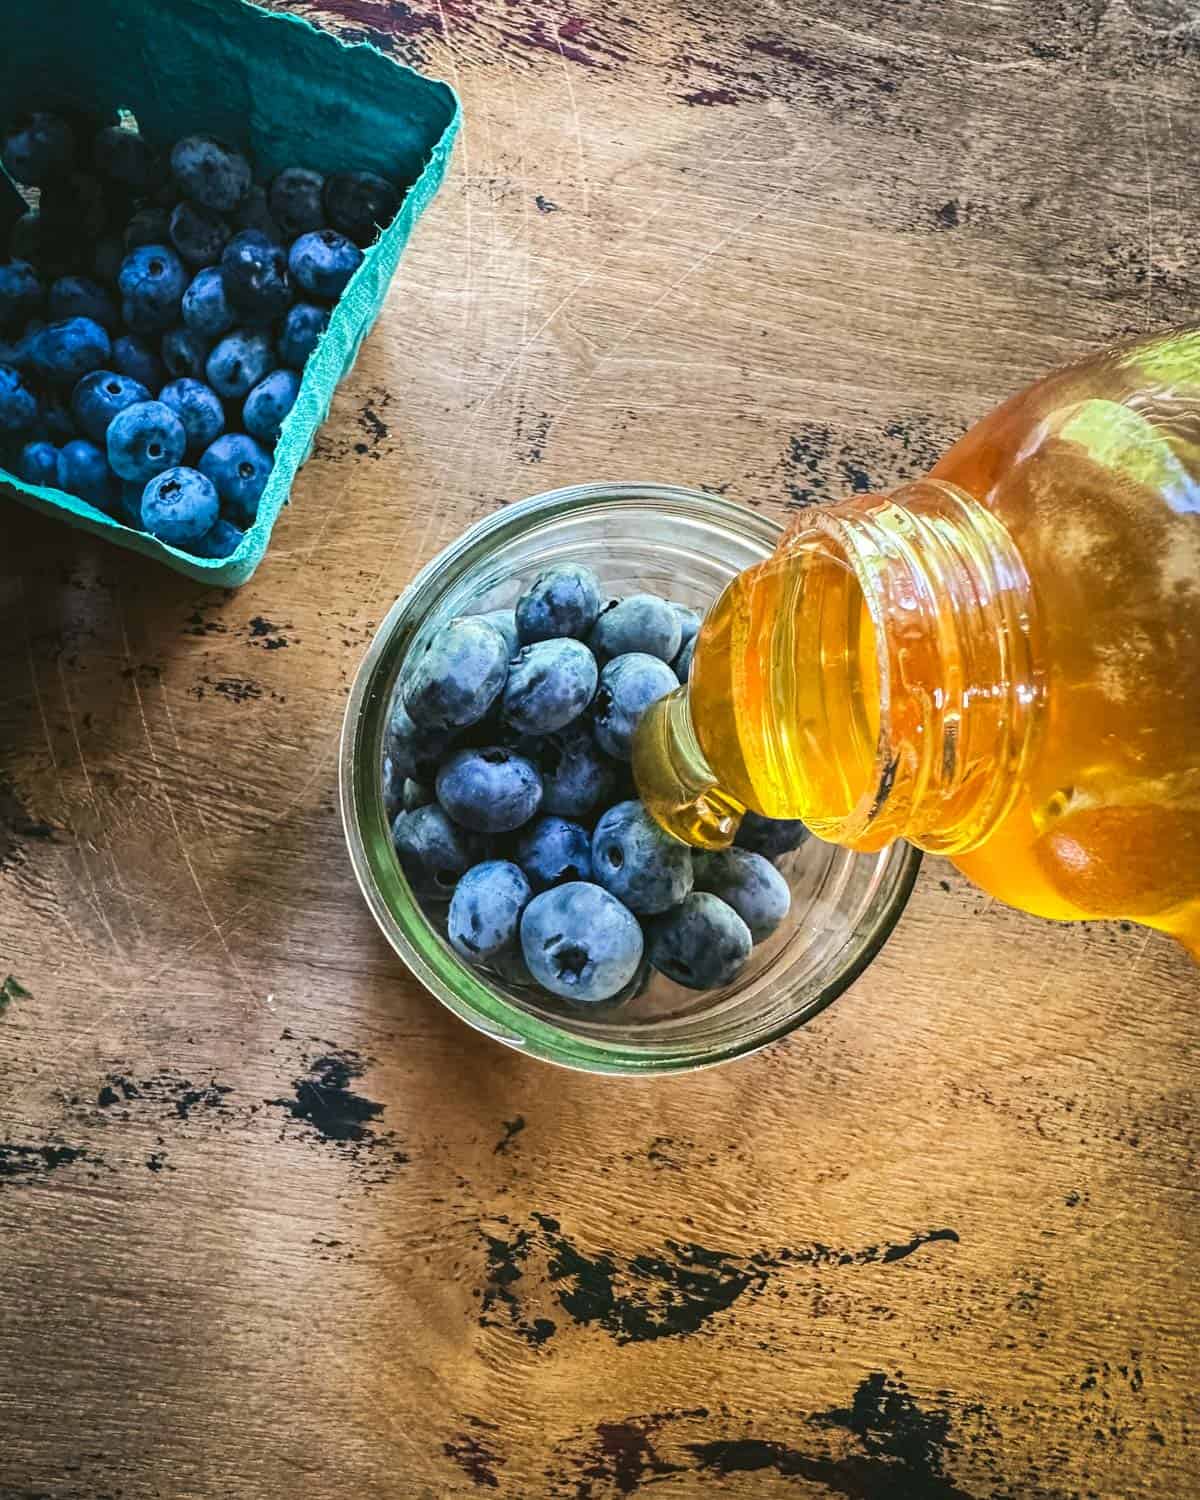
column 272, row 1222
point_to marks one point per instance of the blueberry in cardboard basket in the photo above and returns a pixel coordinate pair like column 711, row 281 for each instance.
column 210, row 171
column 221, row 541
column 239, row 469
column 749, row 883
column 294, row 199
column 74, row 213
column 493, row 790
column 36, row 147
column 107, row 255
column 99, row 396
column 323, row 262
column 64, row 351
column 152, row 282
column 133, row 356
column 485, row 910
column 199, row 408
column 83, row 471
column 81, row 297
column 254, row 212
column 561, row 601
column 268, row 404
column 580, row 942
column 549, row 684
column 553, row 850
column 641, row 865
column 433, row 852
column 54, row 421
column 148, row 226
column 238, row 362
column 205, row 306
column 38, row 463
column 255, row 271
column 628, row 686
column 125, row 156
column 360, row 204
column 771, row 837
column 458, row 676
column 179, row 506
column 185, row 352
column 701, row 944
column 143, row 440
column 301, row 332
column 199, row 234
column 641, row 622
column 21, row 294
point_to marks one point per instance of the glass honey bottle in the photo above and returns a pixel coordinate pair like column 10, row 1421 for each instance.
column 999, row 662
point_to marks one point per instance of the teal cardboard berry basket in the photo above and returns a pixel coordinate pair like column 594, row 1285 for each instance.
column 282, row 91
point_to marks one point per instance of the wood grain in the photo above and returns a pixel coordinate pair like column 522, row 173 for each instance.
column 271, row 1222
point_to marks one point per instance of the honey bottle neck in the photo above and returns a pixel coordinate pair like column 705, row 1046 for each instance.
column 948, row 615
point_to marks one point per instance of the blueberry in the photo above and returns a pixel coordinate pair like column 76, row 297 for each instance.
column 134, row 357
column 510, row 965
column 199, row 408
column 64, row 351
column 238, row 363
column 392, row 787
column 152, row 282
column 125, row 156
column 54, row 421
column 98, row 397
column 74, row 214
column 413, row 752
column 83, row 471
column 210, row 171
column 205, row 307
column 25, row 238
column 360, row 204
column 580, row 942
column 433, row 851
column 302, row 330
column 577, row 777
column 38, row 463
column 459, row 675
column 702, row 943
column 641, row 865
column 295, row 201
column 37, row 147
column 562, row 600
column 107, row 255
column 506, row 623
column 255, row 270
column 323, row 262
column 628, row 686
column 268, row 404
column 683, row 662
column 485, row 910
column 549, row 684
column 80, row 297
column 179, row 506
column 489, row 791
column 199, row 234
column 20, row 293
column 148, row 226
column 253, row 212
column 643, row 623
column 747, row 882
column 222, row 541
column 770, row 837
column 239, row 469
column 690, row 621
column 185, row 352
column 553, row 850
column 143, row 440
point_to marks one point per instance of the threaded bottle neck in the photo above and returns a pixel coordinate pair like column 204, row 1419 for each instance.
column 956, row 673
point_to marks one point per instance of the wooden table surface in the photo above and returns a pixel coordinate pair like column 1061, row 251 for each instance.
column 273, row 1223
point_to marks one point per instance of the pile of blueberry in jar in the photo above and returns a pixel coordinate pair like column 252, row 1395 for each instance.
column 506, row 774
column 155, row 315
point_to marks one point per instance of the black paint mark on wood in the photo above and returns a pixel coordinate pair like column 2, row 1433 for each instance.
column 263, row 633
column 544, row 205
column 475, row 1458
column 512, row 1128
column 12, row 989
column 342, row 1118
column 20, row 1165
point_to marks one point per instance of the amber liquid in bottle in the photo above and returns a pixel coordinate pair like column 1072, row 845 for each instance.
column 1000, row 662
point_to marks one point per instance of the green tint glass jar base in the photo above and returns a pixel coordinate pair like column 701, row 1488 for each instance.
column 687, row 546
